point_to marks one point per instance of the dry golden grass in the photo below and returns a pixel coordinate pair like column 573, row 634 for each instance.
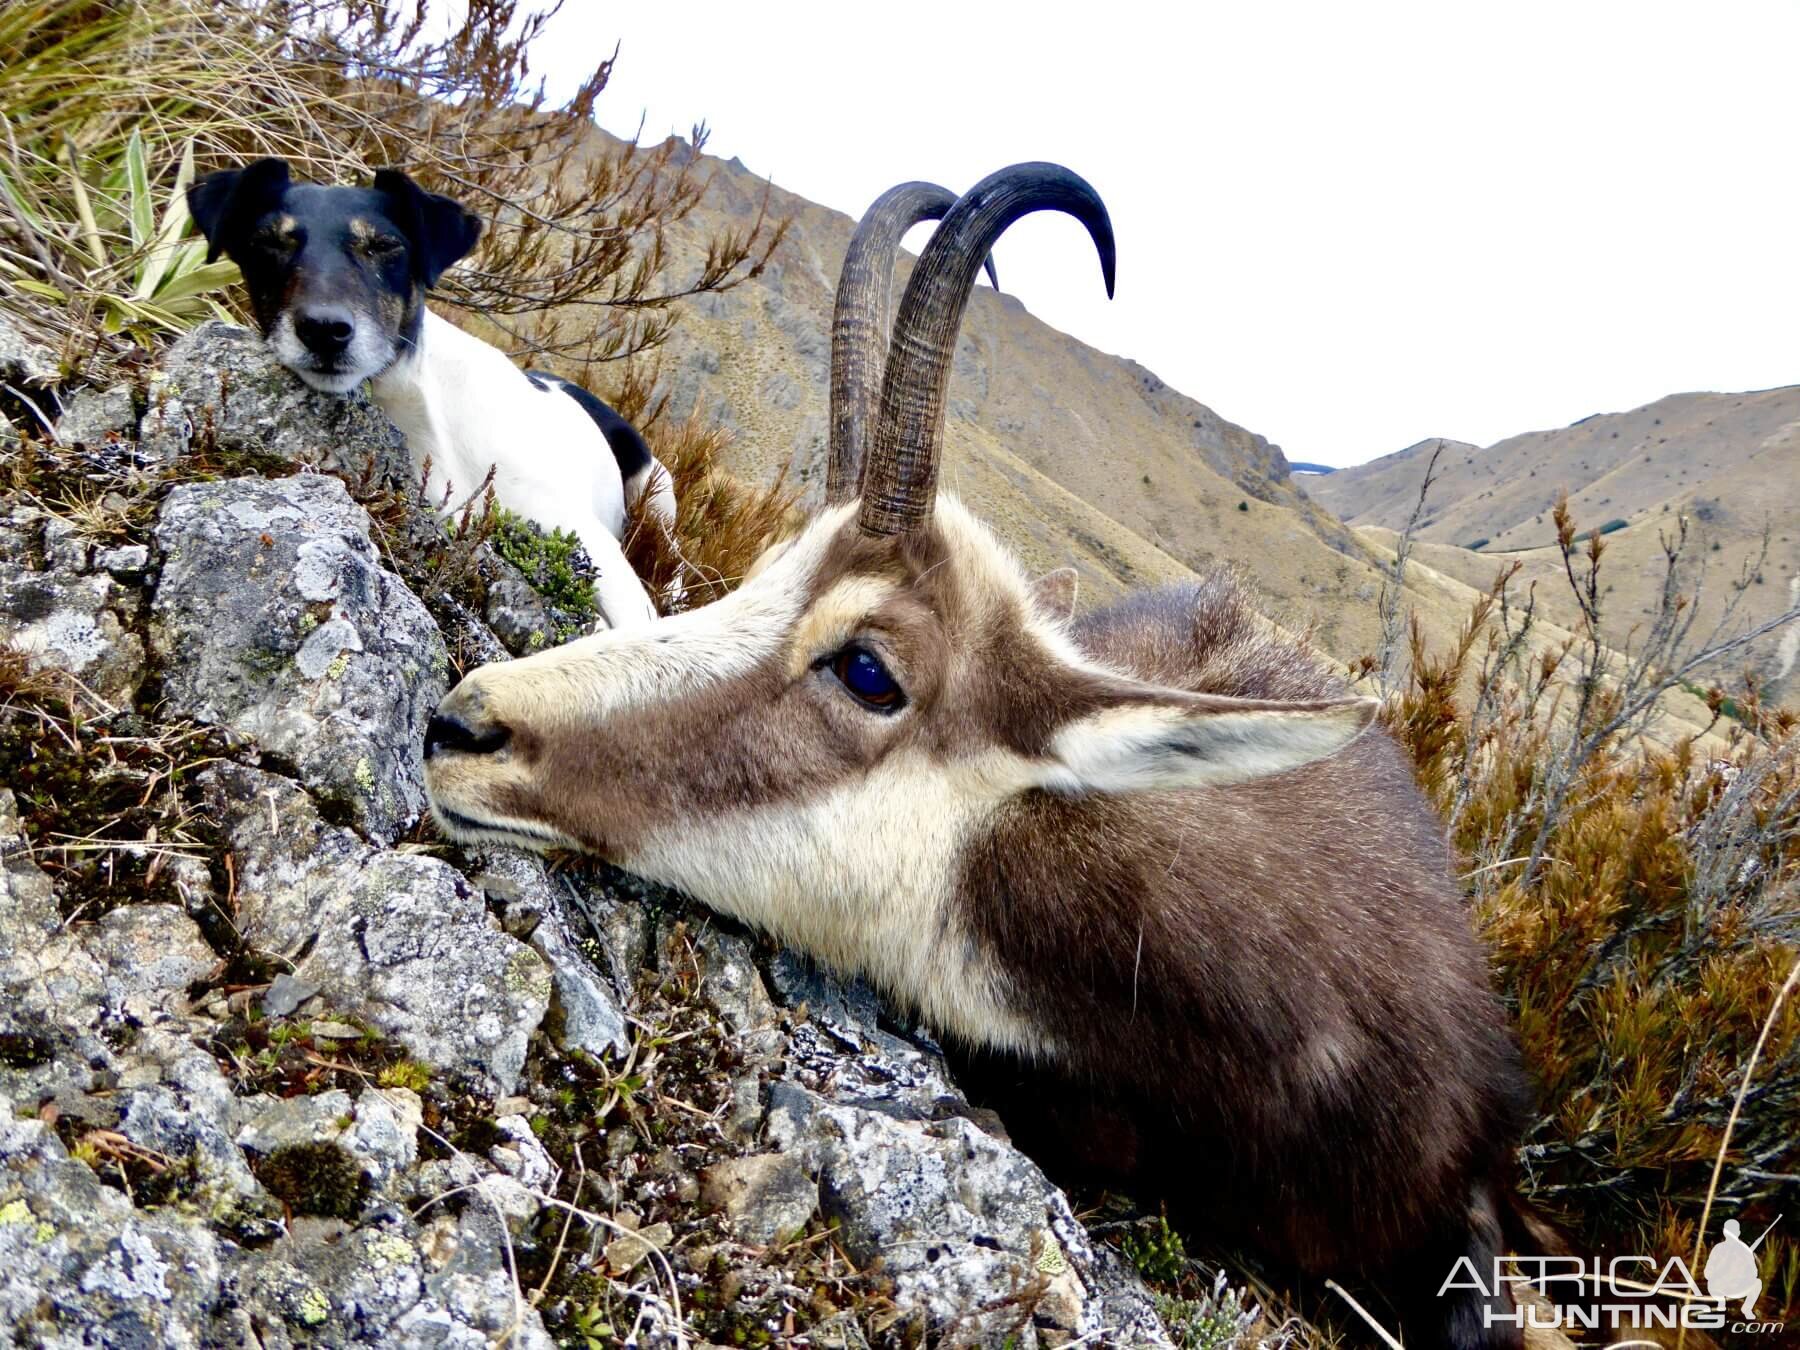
column 722, row 523
column 1643, row 909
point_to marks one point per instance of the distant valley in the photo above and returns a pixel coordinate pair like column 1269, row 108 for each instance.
column 1729, row 464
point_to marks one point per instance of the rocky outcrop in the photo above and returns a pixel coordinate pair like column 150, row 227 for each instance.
column 317, row 1083
column 397, row 938
column 216, row 392
column 64, row 606
column 274, row 618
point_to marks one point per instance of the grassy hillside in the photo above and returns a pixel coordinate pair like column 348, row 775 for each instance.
column 1076, row 456
column 1729, row 463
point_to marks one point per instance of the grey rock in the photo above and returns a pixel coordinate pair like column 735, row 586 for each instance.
column 733, row 987
column 905, row 1166
column 285, row 994
column 80, row 1266
column 273, row 617
column 127, row 562
column 764, row 1196
column 515, row 612
column 389, row 1282
column 521, row 1156
column 62, row 619
column 955, row 1216
column 23, row 361
column 184, row 1126
column 585, row 1012
column 97, row 416
column 220, row 389
column 842, row 1048
column 43, row 1062
column 27, row 903
column 621, row 925
column 384, row 1135
column 399, row 939
column 148, row 954
column 62, row 985
column 379, row 1128
column 272, row 1123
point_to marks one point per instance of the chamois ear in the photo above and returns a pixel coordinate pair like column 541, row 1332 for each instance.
column 1054, row 593
column 439, row 230
column 1155, row 740
column 225, row 205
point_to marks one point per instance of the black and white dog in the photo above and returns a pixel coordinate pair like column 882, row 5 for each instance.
column 337, row 279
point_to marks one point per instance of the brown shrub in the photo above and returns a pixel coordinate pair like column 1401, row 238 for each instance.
column 1642, row 901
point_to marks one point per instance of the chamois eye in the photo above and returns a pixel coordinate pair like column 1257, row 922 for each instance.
column 860, row 671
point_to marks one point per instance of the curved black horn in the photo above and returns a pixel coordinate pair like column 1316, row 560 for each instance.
column 900, row 481
column 861, row 320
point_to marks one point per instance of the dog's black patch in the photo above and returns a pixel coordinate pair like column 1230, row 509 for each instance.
column 628, row 446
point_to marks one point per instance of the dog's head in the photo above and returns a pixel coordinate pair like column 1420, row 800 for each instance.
column 337, row 275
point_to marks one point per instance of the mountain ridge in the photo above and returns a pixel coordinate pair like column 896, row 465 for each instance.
column 1724, row 467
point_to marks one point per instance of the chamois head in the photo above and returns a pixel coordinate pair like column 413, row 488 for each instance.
column 814, row 752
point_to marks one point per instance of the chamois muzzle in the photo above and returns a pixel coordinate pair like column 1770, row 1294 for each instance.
column 462, row 732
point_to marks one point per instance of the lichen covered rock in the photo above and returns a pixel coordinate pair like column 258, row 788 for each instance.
column 274, row 618
column 65, row 613
column 219, row 390
column 81, row 1265
column 399, row 939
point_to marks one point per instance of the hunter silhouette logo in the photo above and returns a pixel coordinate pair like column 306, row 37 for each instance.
column 1731, row 1268
column 1624, row 1293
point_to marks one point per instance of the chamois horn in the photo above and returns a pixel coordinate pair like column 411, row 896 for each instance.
column 862, row 319
column 899, row 483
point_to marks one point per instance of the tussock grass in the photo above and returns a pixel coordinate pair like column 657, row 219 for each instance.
column 1642, row 903
column 722, row 524
column 108, row 107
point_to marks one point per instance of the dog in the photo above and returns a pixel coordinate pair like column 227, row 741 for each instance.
column 337, row 278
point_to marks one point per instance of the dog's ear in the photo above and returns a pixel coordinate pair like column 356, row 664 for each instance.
column 439, row 229
column 227, row 203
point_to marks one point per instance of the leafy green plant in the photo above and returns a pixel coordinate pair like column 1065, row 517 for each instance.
column 1157, row 1251
column 555, row 565
column 139, row 265
column 1218, row 1320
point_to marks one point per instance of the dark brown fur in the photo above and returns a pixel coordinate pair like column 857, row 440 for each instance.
column 1273, row 1012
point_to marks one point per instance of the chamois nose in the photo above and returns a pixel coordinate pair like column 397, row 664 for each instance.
column 446, row 731
column 326, row 332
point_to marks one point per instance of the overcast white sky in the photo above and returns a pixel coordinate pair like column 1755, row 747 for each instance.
column 1345, row 226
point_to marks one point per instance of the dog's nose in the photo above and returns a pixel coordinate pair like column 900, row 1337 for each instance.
column 447, row 731
column 325, row 332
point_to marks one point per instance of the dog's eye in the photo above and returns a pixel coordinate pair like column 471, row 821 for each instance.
column 383, row 246
column 278, row 243
column 860, row 671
